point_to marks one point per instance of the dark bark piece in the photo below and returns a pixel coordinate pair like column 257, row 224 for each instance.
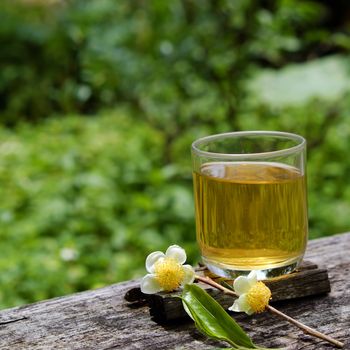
column 101, row 319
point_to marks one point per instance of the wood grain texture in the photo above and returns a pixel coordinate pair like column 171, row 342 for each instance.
column 101, row 319
column 309, row 280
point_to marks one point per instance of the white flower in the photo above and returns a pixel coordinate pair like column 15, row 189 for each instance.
column 167, row 272
column 254, row 296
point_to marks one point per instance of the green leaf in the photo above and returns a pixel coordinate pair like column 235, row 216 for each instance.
column 212, row 319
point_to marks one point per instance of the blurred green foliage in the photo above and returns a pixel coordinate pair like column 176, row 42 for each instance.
column 85, row 198
column 175, row 62
column 84, row 204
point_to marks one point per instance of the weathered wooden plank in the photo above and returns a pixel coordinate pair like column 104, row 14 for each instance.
column 102, row 320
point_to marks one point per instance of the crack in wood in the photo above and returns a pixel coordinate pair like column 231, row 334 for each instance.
column 13, row 320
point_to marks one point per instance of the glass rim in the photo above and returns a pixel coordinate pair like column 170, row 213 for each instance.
column 281, row 134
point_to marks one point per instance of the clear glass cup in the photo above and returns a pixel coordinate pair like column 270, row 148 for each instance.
column 251, row 202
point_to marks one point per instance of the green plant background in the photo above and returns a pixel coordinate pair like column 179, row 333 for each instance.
column 101, row 99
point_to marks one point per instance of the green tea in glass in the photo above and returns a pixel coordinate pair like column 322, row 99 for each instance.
column 251, row 202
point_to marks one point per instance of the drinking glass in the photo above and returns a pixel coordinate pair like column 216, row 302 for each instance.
column 251, row 202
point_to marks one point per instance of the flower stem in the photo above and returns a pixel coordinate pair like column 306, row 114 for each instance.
column 210, row 282
column 304, row 328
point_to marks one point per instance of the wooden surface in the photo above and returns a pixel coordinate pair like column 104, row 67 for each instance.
column 306, row 281
column 102, row 320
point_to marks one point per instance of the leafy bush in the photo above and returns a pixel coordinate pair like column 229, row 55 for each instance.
column 85, row 202
column 163, row 59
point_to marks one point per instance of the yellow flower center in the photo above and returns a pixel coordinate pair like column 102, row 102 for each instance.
column 258, row 297
column 169, row 273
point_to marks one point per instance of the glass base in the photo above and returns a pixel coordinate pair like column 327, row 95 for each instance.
column 232, row 272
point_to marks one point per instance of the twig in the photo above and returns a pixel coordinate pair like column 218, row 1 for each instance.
column 210, row 282
column 304, row 328
column 300, row 325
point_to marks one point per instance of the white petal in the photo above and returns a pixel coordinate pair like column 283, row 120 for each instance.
column 177, row 253
column 149, row 285
column 241, row 285
column 235, row 307
column 252, row 277
column 152, row 259
column 249, row 312
column 241, row 305
column 189, row 275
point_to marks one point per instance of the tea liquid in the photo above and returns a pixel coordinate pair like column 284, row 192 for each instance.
column 250, row 215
